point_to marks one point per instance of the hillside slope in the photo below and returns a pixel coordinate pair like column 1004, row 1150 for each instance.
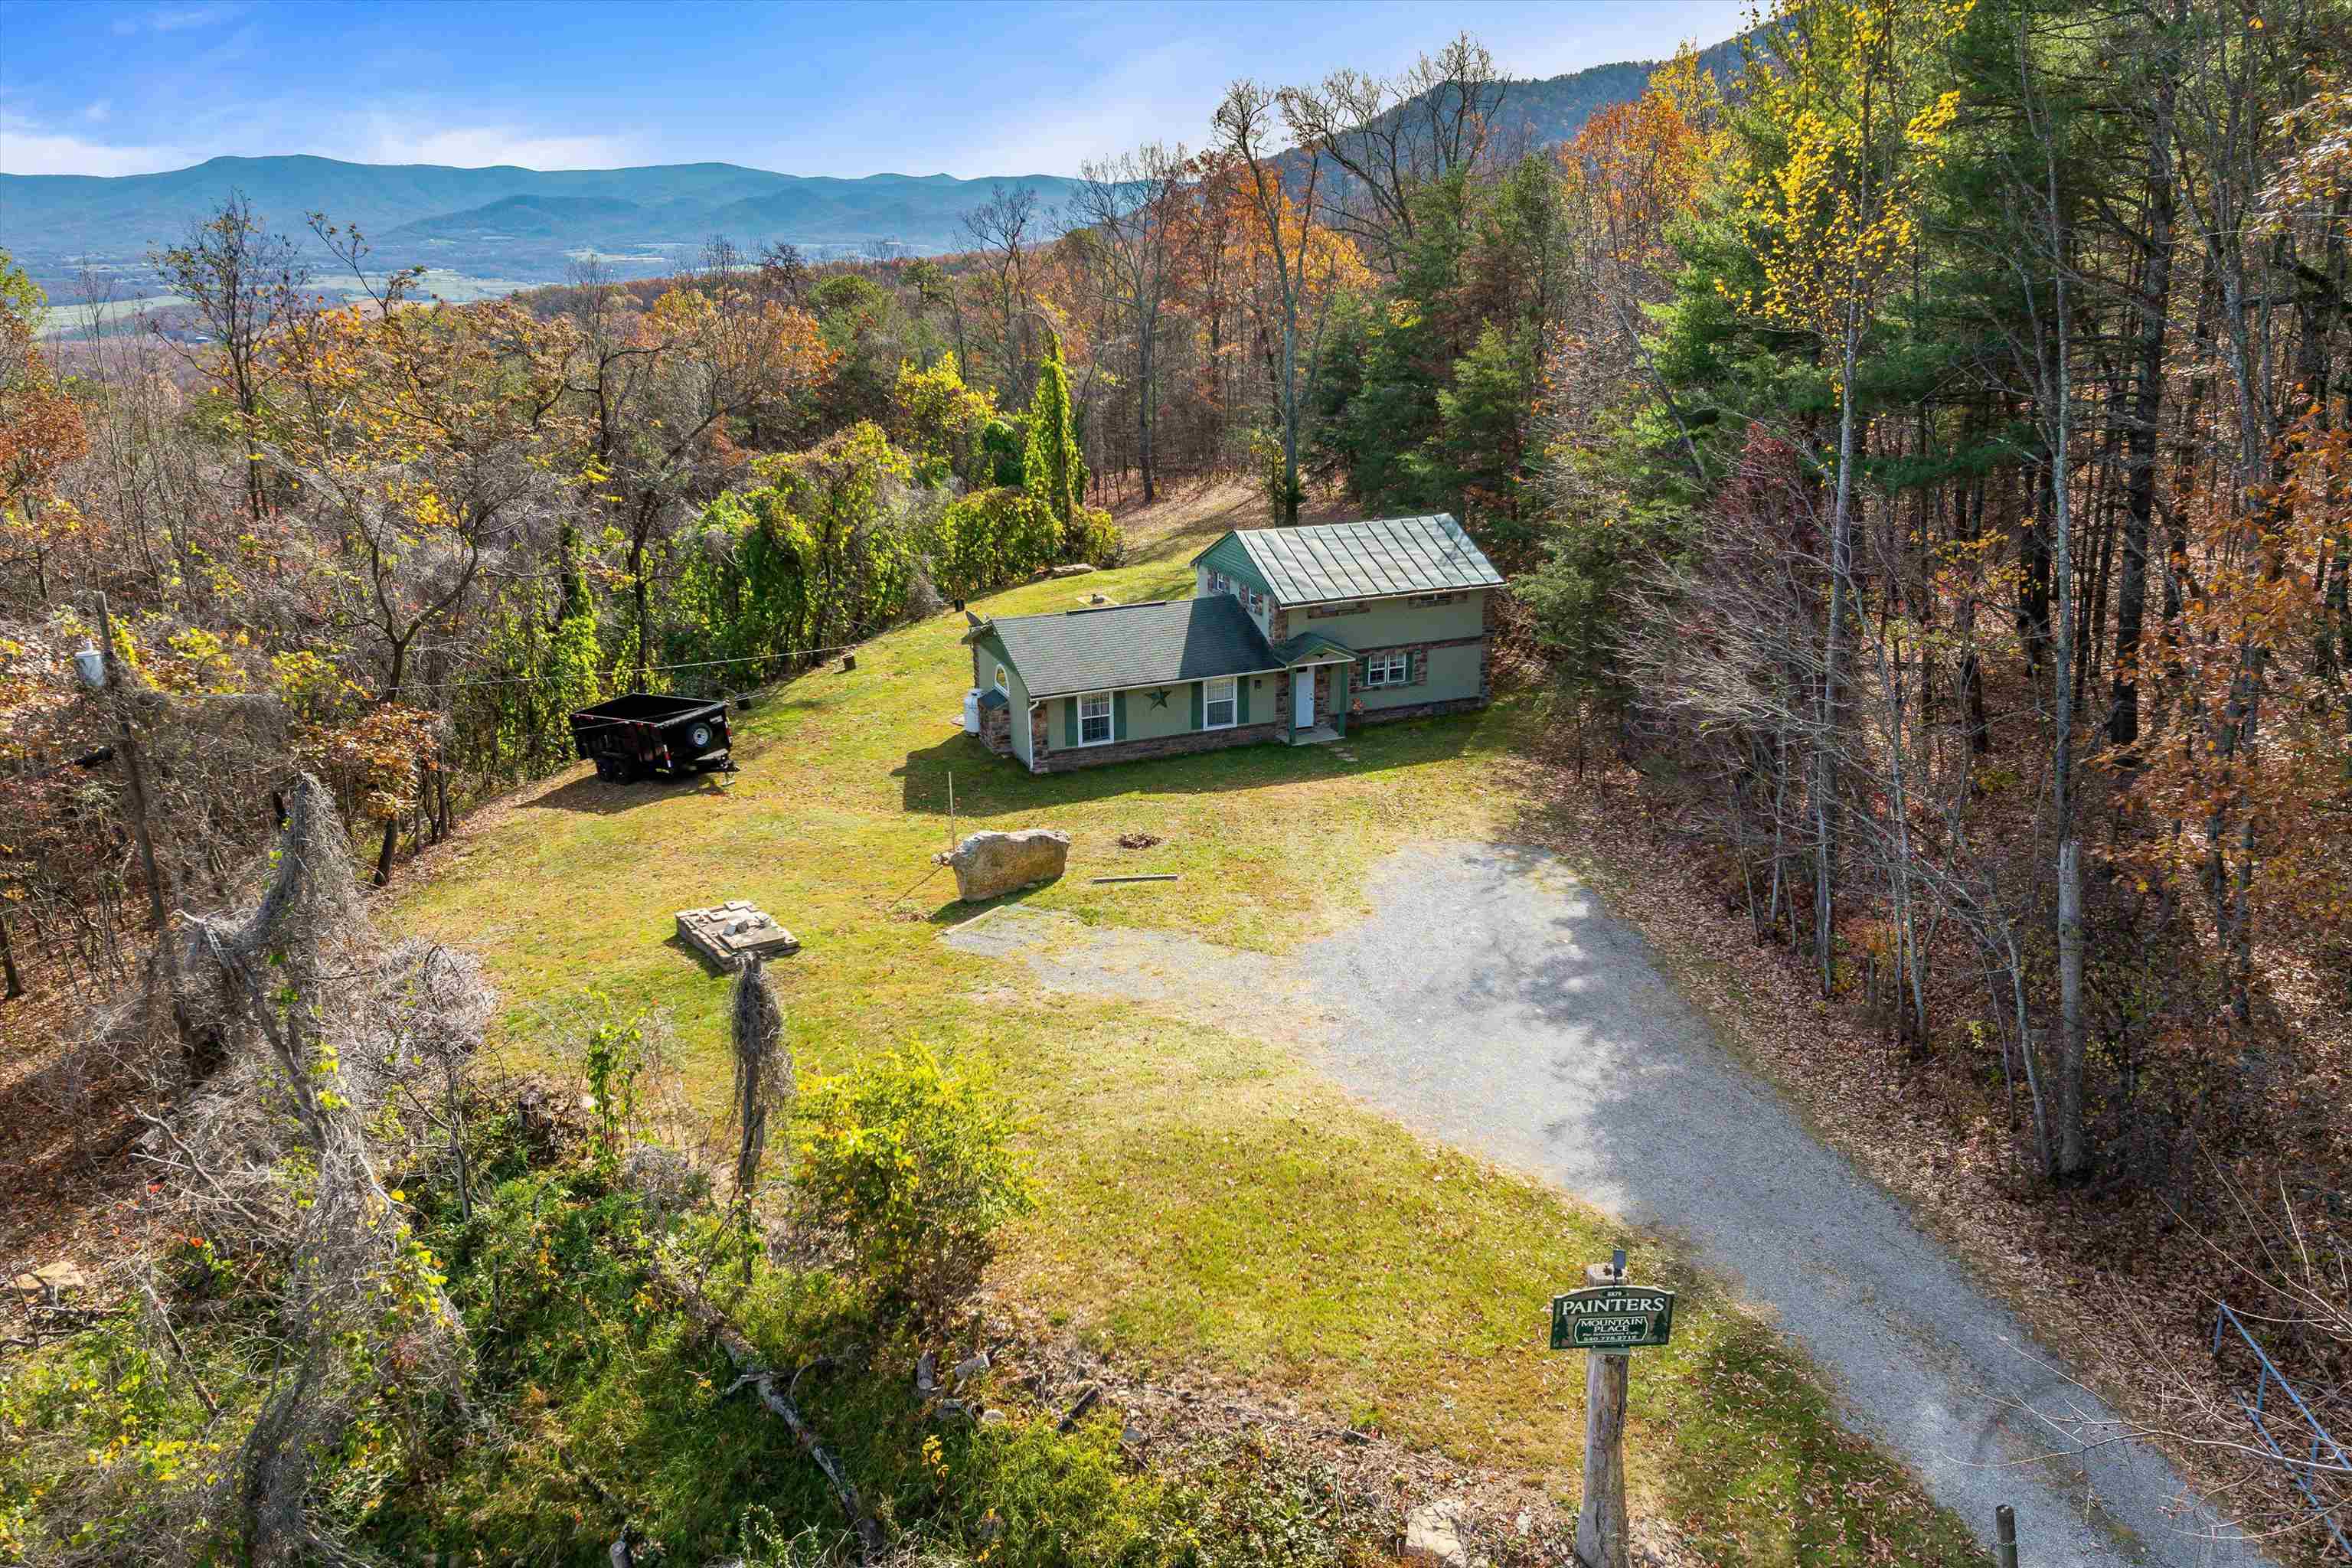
column 1213, row 1202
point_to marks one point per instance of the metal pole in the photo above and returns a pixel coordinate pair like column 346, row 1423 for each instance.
column 133, row 770
column 2005, row 1535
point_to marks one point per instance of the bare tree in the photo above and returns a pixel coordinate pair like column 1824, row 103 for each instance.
column 1247, row 122
column 1389, row 137
column 1005, row 229
column 245, row 285
column 783, row 272
column 1130, row 208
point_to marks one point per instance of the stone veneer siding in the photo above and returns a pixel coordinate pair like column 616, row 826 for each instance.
column 1417, row 710
column 996, row 730
column 1323, row 710
column 1161, row 746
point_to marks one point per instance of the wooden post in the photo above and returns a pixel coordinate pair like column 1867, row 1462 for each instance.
column 950, row 808
column 1603, row 1531
column 133, row 772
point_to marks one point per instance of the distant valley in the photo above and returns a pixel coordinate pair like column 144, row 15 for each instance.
column 483, row 232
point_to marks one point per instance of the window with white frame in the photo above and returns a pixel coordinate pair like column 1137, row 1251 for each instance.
column 1220, row 703
column 1391, row 669
column 1094, row 718
column 1004, row 681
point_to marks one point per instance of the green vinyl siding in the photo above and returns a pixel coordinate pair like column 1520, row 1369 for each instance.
column 986, row 654
column 1228, row 556
column 1386, row 623
column 1440, row 675
column 1177, row 714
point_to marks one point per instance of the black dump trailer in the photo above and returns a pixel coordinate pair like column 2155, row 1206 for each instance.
column 644, row 733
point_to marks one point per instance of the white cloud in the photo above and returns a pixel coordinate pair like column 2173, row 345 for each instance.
column 478, row 146
column 176, row 18
column 98, row 113
column 28, row 148
column 1136, row 100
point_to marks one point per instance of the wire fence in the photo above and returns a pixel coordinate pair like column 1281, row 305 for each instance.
column 2322, row 1455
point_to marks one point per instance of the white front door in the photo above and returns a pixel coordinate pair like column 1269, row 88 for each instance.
column 1302, row 700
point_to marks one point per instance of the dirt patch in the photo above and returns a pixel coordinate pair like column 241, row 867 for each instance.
column 1178, row 974
column 1138, row 841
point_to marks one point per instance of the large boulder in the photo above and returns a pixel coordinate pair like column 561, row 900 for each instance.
column 989, row 865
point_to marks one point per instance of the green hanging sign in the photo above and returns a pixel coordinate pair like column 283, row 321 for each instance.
column 1612, row 1318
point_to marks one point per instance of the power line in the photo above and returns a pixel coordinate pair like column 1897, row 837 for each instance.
column 406, row 686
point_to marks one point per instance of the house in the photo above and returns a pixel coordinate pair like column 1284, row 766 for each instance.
column 1292, row 634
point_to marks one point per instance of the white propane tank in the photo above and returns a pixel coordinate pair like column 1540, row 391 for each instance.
column 971, row 711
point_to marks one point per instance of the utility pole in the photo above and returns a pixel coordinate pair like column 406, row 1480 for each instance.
column 133, row 770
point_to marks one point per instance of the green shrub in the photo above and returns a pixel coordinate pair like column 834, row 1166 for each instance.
column 913, row 1168
column 990, row 538
column 1096, row 538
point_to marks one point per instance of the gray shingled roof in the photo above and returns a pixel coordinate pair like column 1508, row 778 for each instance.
column 1367, row 559
column 1134, row 644
column 1312, row 646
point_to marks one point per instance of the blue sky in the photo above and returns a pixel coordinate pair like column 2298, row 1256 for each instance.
column 89, row 87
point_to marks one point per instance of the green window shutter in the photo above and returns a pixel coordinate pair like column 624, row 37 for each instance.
column 1069, row 721
column 1241, row 699
column 1419, row 665
column 1199, row 687
column 1357, row 672
column 1119, row 715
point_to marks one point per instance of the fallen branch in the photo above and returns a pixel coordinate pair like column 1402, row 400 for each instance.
column 1148, row 877
column 179, row 1351
column 751, row 1373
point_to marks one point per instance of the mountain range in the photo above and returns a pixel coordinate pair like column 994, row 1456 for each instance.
column 493, row 228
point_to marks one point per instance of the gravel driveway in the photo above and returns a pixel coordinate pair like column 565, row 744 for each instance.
column 1494, row 1003
column 1491, row 1002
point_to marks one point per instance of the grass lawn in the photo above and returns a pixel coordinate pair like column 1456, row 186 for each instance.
column 1211, row 1198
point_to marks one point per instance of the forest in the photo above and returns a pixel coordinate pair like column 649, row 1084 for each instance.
column 1920, row 443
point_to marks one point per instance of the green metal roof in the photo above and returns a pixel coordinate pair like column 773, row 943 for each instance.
column 1309, row 647
column 1133, row 644
column 1366, row 560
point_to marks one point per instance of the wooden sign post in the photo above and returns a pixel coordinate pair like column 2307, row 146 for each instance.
column 1607, row 1319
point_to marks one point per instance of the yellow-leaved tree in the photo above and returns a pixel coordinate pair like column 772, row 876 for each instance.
column 1850, row 124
